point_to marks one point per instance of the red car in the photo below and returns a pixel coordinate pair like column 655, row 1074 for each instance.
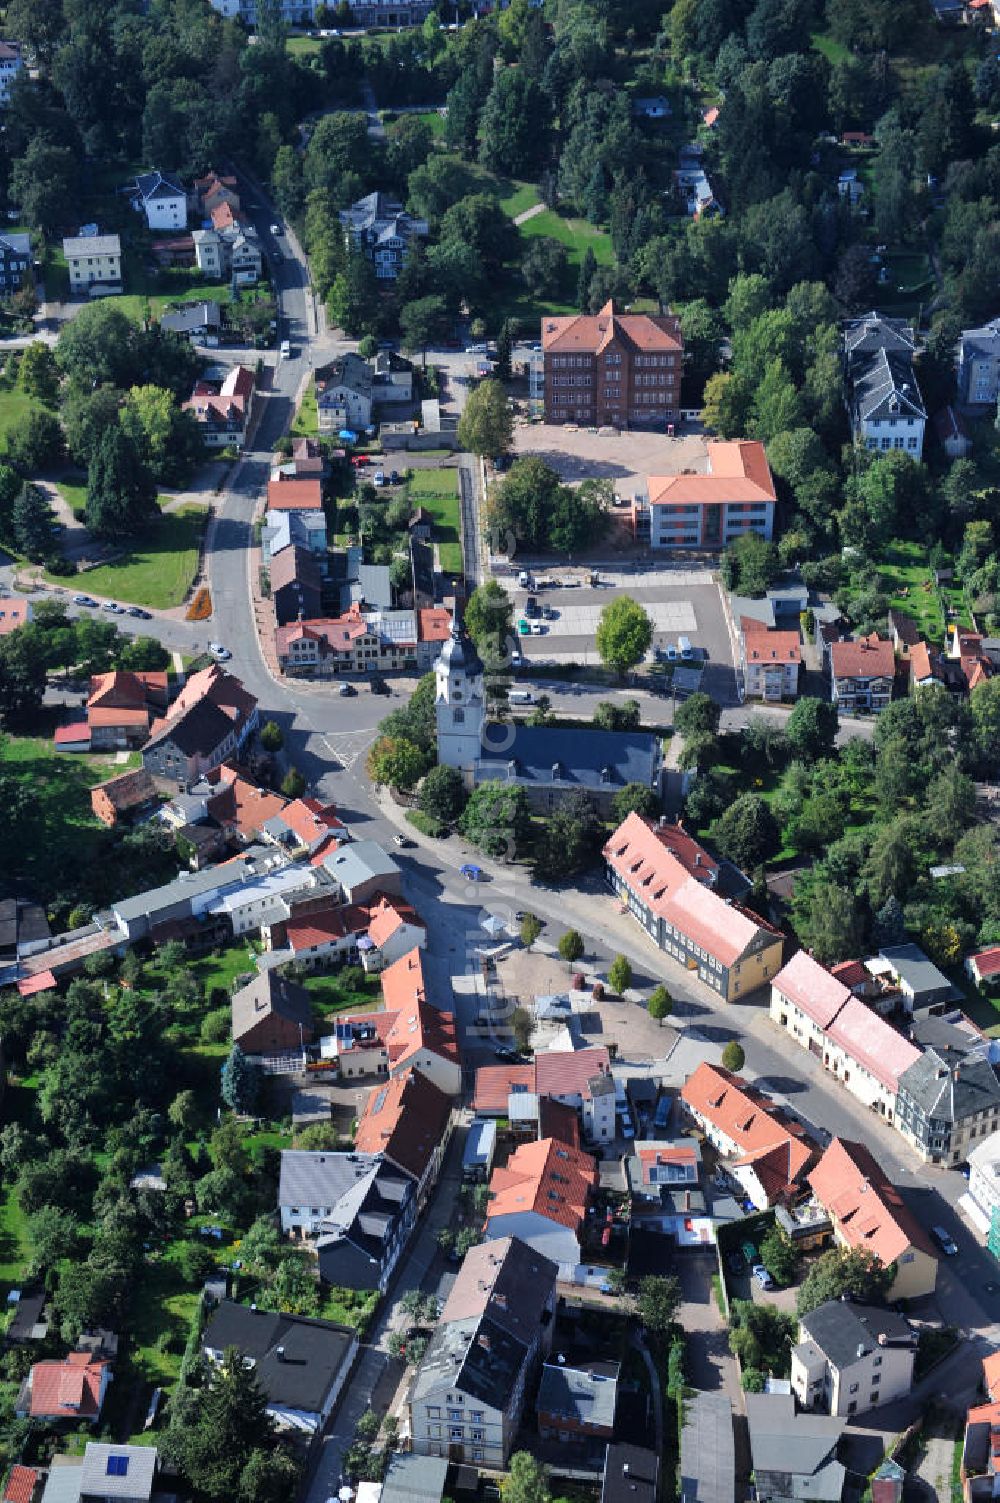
column 358, row 460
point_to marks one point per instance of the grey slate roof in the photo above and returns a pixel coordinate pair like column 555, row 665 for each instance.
column 708, row 1453
column 587, row 760
column 414, row 1479
column 360, row 861
column 19, row 245
column 885, row 386
column 378, row 217
column 192, row 316
column 314, row 1352
column 873, row 331
column 321, row 1179
column 103, row 1475
column 574, row 1393
column 368, row 1214
column 187, row 885
column 803, row 1446
column 474, row 1357
column 839, row 1328
column 64, row 1482
column 931, row 1082
column 917, row 970
column 982, row 341
column 630, row 1475
column 158, row 185
column 349, row 371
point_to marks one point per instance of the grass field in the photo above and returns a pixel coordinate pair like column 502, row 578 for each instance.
column 519, row 197
column 306, row 424
column 908, row 581
column 156, row 572
column 333, row 993
column 911, row 283
column 163, row 1304
column 15, row 409
column 303, row 46
column 74, row 493
column 430, row 118
column 437, row 490
column 137, row 304
column 576, row 234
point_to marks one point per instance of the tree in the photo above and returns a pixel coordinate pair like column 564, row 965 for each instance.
column 522, row 1024
column 270, row 1477
column 121, row 496
column 733, row 1057
column 660, row 1004
column 44, row 183
column 184, row 1112
column 620, row 975
column 489, row 614
column 634, row 798
column 38, row 374
column 570, row 946
column 698, row 715
column 22, row 673
column 87, row 1296
column 750, row 565
column 32, row 524
column 422, row 323
column 761, row 1336
column 570, row 839
column 217, row 1440
column 486, row 427
column 856, row 1272
column 37, row 443
column 811, row 730
column 778, row 1256
column 293, row 784
column 611, row 715
column 658, row 1302
column 828, row 921
column 624, row 633
column 526, row 1480
column 271, row 736
column 515, row 125
column 353, row 299
column 395, row 762
column 984, row 702
column 166, row 438
column 241, row 1081
column 585, row 276
column 531, row 928
column 53, row 1234
column 497, row 818
column 747, row 833
column 442, row 794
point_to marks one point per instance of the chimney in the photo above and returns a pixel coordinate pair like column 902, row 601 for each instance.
column 484, row 1341
column 280, row 1353
column 956, row 1074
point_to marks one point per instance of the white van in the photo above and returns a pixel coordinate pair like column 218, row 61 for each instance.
column 286, row 350
column 684, row 644
column 519, row 697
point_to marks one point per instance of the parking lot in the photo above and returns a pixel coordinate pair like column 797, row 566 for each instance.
column 681, row 601
column 626, row 458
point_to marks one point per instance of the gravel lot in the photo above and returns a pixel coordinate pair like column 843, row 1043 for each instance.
column 626, row 458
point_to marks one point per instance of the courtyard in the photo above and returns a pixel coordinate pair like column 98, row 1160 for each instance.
column 626, row 458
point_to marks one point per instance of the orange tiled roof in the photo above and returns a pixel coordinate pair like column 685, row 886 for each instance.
column 738, row 471
column 865, row 657
column 991, row 1374
column 14, row 610
column 21, row 1485
column 387, row 915
column 324, row 925
column 67, row 1390
column 404, row 1118
column 656, row 859
column 592, row 333
column 920, row 662
column 748, row 1118
column 774, row 647
column 547, row 1177
column 294, row 495
column 494, row 1084
column 812, row 988
column 433, row 625
column 867, row 1209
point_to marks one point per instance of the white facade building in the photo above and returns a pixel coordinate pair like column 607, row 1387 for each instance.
column 94, row 262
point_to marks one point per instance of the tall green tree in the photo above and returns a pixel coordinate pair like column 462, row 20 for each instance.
column 216, row 1442
column 486, row 427
column 624, row 633
column 497, row 819
column 121, row 495
column 32, row 524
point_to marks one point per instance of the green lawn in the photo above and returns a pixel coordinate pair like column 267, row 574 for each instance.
column 521, row 196
column 303, row 46
column 156, row 572
column 74, row 493
column 14, row 1245
column 911, row 283
column 15, row 409
column 432, row 119
column 331, row 994
column 831, row 49
column 306, row 424
column 139, row 305
column 907, row 580
column 162, row 1304
column 437, row 490
column 349, row 1307
column 576, row 234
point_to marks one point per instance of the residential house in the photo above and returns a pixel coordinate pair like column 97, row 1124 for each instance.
column 693, row 185
column 15, row 250
column 921, row 984
column 949, row 1096
column 541, row 1196
column 355, row 1209
column 224, row 409
column 793, row 1455
column 383, row 230
column 15, row 611
column 211, row 720
column 308, row 459
column 71, row 1390
column 970, row 654
column 952, row 434
column 849, row 1358
column 622, row 369
column 94, row 263
column 580, row 1079
column 392, row 380
column 122, row 796
column 21, row 1484
column 362, row 871
column 926, row 668
column 230, row 252
column 978, row 367
column 631, row 1475
column 732, row 496
column 467, row 1398
column 394, row 930
column 664, row 1182
column 305, row 530
column 302, row 1365
column 869, row 1057
column 122, row 706
column 11, row 63
column 296, row 585
column 767, row 1152
column 408, row 1121
column 363, row 641
column 318, row 936
column 199, row 322
column 30, row 1320
column 359, row 1044
column 862, row 671
column 980, row 1472
column 904, row 632
column 984, row 967
column 805, row 999
column 884, row 402
column 294, row 493
column 771, row 662
column 272, row 1015
column 421, row 1034
column 267, row 895
column 118, row 1474
column 577, row 1404
column 187, row 897
column 868, row 1212
column 410, row 1478
column 981, row 1202
column 668, row 886
column 344, row 394
column 161, row 199
column 888, row 1477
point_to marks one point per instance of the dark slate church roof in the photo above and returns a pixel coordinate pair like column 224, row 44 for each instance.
column 587, row 760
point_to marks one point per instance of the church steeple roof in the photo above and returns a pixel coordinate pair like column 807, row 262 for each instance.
column 460, row 651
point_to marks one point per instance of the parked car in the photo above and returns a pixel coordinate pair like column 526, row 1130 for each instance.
column 506, row 1053
column 524, row 628
column 548, row 613
column 536, row 628
column 359, row 461
column 113, row 608
column 762, row 1276
column 379, row 686
column 516, row 658
column 219, row 653
column 276, row 228
column 524, row 580
column 395, row 478
column 531, row 607
column 736, row 1263
column 347, row 691
column 379, row 478
column 87, row 600
column 403, row 841
column 139, row 613
column 945, row 1241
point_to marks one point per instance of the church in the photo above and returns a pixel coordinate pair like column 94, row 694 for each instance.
column 548, row 763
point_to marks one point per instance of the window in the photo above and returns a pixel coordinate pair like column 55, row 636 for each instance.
column 854, row 1388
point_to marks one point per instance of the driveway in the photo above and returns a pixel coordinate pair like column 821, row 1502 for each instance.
column 710, row 1364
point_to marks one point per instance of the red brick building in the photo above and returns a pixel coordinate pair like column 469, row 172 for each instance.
column 621, row 369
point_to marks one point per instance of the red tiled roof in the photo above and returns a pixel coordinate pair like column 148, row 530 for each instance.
column 547, row 1177
column 991, row 1374
column 780, row 1167
column 738, row 471
column 656, row 859
column 748, row 1118
column 294, row 495
column 592, row 333
column 241, row 803
column 388, row 915
column 666, row 1153
column 127, row 691
column 566, row 1072
column 872, row 1042
column 67, row 1390
column 494, row 1084
column 310, row 820
column 863, row 657
column 42, row 981
column 851, row 973
column 558, row 1120
column 324, row 925
column 774, row 647
column 14, row 612
column 725, row 930
column 812, row 988
column 68, row 734
column 921, row 666
column 21, row 1484
column 433, row 625
column 405, row 1118
column 987, row 961
column 866, row 1208
column 113, row 716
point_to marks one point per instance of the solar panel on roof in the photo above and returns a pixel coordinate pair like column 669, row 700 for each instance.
column 117, row 1466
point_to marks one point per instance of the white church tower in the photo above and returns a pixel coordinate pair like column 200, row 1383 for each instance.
column 459, row 701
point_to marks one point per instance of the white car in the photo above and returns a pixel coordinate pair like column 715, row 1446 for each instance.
column 276, row 229
column 219, row 653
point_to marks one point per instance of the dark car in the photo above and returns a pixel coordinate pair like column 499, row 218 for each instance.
column 379, row 686
column 504, row 1052
column 138, row 612
column 531, row 607
column 347, row 691
column 394, row 477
